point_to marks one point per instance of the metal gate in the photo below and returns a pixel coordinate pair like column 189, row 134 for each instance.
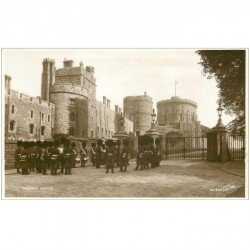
column 186, row 148
column 236, row 146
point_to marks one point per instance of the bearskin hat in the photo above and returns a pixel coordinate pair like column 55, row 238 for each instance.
column 56, row 143
column 38, row 143
column 84, row 143
column 93, row 144
column 99, row 142
column 125, row 142
column 109, row 143
column 19, row 143
column 118, row 143
column 158, row 141
column 73, row 144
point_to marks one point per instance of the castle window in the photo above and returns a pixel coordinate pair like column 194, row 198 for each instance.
column 98, row 130
column 48, row 118
column 83, row 133
column 106, row 132
column 109, row 133
column 12, row 109
column 42, row 116
column 42, row 130
column 72, row 117
column 72, row 102
column 31, row 129
column 31, row 113
column 92, row 133
column 12, row 125
column 71, row 131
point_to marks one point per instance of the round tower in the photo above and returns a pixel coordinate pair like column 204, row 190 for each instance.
column 176, row 110
column 139, row 110
column 65, row 97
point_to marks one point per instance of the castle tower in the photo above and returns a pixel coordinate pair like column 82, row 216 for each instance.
column 48, row 78
column 139, row 109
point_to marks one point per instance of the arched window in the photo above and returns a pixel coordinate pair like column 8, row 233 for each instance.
column 72, row 117
column 71, row 131
column 12, row 109
column 42, row 116
column 42, row 130
column 92, row 133
column 48, row 118
column 31, row 113
column 98, row 130
column 31, row 129
column 12, row 125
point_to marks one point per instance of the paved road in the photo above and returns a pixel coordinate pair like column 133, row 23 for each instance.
column 173, row 179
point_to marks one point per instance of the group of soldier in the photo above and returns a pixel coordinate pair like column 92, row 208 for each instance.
column 47, row 155
column 62, row 155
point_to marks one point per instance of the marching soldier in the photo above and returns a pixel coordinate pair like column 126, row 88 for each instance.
column 158, row 152
column 99, row 154
column 61, row 157
column 33, row 157
column 139, row 158
column 38, row 157
column 125, row 153
column 84, row 154
column 46, row 156
column 110, row 152
column 118, row 155
column 24, row 159
column 74, row 155
column 68, row 154
column 18, row 156
column 54, row 158
column 93, row 154
column 103, row 154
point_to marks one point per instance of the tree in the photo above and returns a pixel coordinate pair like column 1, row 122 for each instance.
column 228, row 69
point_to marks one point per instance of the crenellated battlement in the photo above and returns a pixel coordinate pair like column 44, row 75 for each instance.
column 29, row 99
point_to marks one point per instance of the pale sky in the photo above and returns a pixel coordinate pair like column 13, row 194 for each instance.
column 123, row 72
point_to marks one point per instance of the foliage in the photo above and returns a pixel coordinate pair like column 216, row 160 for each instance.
column 228, row 69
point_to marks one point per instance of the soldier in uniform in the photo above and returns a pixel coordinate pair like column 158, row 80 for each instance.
column 24, row 159
column 84, row 154
column 99, row 154
column 152, row 153
column 118, row 155
column 61, row 157
column 38, row 157
column 74, row 155
column 18, row 156
column 33, row 158
column 46, row 153
column 146, row 153
column 125, row 153
column 54, row 158
column 93, row 154
column 110, row 152
column 139, row 158
column 158, row 152
column 67, row 154
column 103, row 154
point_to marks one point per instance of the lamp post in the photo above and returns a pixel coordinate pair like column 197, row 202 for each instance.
column 219, row 110
column 121, row 122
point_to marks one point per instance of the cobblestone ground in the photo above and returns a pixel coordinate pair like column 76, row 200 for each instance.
column 179, row 178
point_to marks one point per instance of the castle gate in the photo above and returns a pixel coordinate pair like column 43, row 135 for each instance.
column 186, row 148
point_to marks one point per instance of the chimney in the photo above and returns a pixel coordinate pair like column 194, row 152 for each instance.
column 104, row 100
column 68, row 63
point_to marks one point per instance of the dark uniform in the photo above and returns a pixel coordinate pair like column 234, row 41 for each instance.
column 67, row 154
column 33, row 157
column 54, row 158
column 110, row 156
column 24, row 159
column 118, row 155
column 38, row 156
column 74, row 155
column 84, row 154
column 18, row 155
column 99, row 154
column 45, row 157
column 93, row 154
column 125, row 153
column 139, row 158
column 158, row 152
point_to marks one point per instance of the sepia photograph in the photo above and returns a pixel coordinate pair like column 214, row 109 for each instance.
column 124, row 123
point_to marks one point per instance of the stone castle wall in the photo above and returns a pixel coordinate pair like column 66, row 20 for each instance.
column 139, row 109
column 18, row 109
